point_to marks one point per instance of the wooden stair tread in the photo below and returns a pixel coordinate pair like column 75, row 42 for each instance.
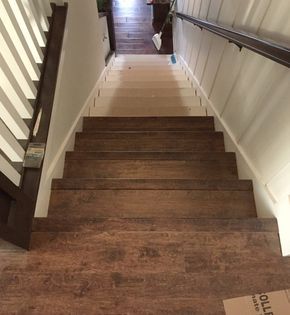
column 148, row 123
column 179, row 156
column 185, row 243
column 150, row 141
column 171, row 203
column 158, row 184
column 87, row 224
column 123, row 294
column 151, row 169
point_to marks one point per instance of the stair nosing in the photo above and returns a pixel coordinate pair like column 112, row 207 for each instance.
column 144, row 184
column 88, row 155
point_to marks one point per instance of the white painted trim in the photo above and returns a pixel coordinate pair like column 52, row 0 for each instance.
column 56, row 166
column 72, row 131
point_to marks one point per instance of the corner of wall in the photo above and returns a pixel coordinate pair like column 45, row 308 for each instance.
column 81, row 71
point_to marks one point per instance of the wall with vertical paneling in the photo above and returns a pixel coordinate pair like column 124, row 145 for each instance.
column 248, row 94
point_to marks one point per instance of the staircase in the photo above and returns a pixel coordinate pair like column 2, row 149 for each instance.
column 150, row 216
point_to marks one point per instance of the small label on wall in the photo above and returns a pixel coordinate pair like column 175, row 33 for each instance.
column 272, row 303
column 34, row 155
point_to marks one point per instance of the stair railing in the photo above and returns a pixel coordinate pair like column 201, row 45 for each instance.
column 30, row 48
column 269, row 49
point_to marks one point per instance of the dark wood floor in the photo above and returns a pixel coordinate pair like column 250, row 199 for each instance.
column 134, row 29
column 136, row 227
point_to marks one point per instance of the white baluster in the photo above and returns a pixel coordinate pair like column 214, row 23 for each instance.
column 23, row 21
column 9, row 145
column 11, row 24
column 10, row 54
column 35, row 22
column 42, row 14
column 46, row 4
column 11, row 118
column 9, row 171
column 13, row 91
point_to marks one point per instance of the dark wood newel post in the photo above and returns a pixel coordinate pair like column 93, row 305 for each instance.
column 111, row 27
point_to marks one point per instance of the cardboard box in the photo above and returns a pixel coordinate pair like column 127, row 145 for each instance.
column 272, row 303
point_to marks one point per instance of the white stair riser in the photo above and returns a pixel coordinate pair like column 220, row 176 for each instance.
column 146, row 85
column 127, row 111
column 147, row 92
column 147, row 101
column 146, row 78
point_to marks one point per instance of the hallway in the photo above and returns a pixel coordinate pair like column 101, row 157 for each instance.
column 134, row 28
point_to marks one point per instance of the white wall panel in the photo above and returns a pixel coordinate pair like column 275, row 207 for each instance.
column 267, row 141
column 251, row 14
column 227, row 74
column 191, row 7
column 81, row 65
column 280, row 184
column 276, row 24
column 196, row 41
column 196, row 8
column 189, row 43
column 203, row 54
column 228, row 11
column 258, row 76
column 216, row 52
column 214, row 9
column 204, row 9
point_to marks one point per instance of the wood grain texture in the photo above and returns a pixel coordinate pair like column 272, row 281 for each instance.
column 83, row 224
column 162, row 232
column 133, row 20
column 150, row 141
column 171, row 203
column 150, row 184
column 93, row 124
column 150, row 169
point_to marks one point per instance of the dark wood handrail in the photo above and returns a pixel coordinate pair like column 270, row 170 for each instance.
column 269, row 49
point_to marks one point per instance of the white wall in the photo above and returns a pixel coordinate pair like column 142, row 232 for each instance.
column 82, row 64
column 248, row 94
